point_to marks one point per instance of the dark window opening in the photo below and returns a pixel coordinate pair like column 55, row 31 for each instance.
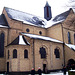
column 40, row 32
column 69, row 39
column 25, row 53
column 56, row 52
column 74, row 39
column 44, row 68
column 7, row 66
column 42, row 52
column 8, row 54
column 70, row 64
column 2, row 36
column 14, row 53
column 27, row 30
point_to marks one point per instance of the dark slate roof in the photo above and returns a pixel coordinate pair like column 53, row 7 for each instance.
column 20, row 40
column 3, row 20
column 62, row 16
column 58, row 19
column 25, row 17
column 47, row 3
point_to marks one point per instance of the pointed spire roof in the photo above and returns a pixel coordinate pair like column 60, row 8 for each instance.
column 47, row 3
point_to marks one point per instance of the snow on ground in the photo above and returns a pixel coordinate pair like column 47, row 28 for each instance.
column 56, row 73
column 52, row 73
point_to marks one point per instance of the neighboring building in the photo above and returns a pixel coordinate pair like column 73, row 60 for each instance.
column 27, row 42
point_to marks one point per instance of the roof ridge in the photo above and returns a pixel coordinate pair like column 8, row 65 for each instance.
column 21, row 11
column 64, row 14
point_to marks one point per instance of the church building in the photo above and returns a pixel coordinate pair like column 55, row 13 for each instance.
column 28, row 41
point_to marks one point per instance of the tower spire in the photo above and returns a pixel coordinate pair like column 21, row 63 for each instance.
column 47, row 12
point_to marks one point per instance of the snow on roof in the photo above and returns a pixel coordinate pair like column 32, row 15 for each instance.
column 23, row 41
column 51, row 23
column 71, row 46
column 34, row 20
column 1, row 26
column 58, row 19
column 25, row 17
column 41, row 37
column 20, row 40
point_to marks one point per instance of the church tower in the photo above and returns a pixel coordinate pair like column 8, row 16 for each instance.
column 47, row 12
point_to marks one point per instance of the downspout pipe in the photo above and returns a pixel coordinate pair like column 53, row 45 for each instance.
column 33, row 55
column 63, row 44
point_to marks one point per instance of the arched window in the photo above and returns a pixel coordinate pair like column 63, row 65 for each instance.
column 74, row 39
column 2, row 44
column 42, row 52
column 69, row 39
column 40, row 32
column 56, row 52
column 14, row 53
column 8, row 54
column 70, row 63
column 25, row 53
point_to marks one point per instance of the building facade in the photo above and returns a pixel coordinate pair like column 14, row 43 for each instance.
column 26, row 42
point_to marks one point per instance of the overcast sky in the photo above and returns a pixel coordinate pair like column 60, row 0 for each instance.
column 35, row 7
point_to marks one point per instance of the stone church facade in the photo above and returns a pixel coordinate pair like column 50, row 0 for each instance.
column 26, row 43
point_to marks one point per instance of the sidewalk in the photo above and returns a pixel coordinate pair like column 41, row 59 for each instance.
column 52, row 73
column 56, row 73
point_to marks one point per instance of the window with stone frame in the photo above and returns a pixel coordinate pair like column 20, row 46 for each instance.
column 69, row 38
column 42, row 52
column 2, row 36
column 57, row 53
column 25, row 53
column 14, row 53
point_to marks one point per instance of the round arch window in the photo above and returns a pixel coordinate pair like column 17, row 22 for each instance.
column 27, row 30
column 40, row 32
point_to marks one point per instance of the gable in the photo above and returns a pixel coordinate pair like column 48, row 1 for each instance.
column 69, row 22
column 59, row 18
